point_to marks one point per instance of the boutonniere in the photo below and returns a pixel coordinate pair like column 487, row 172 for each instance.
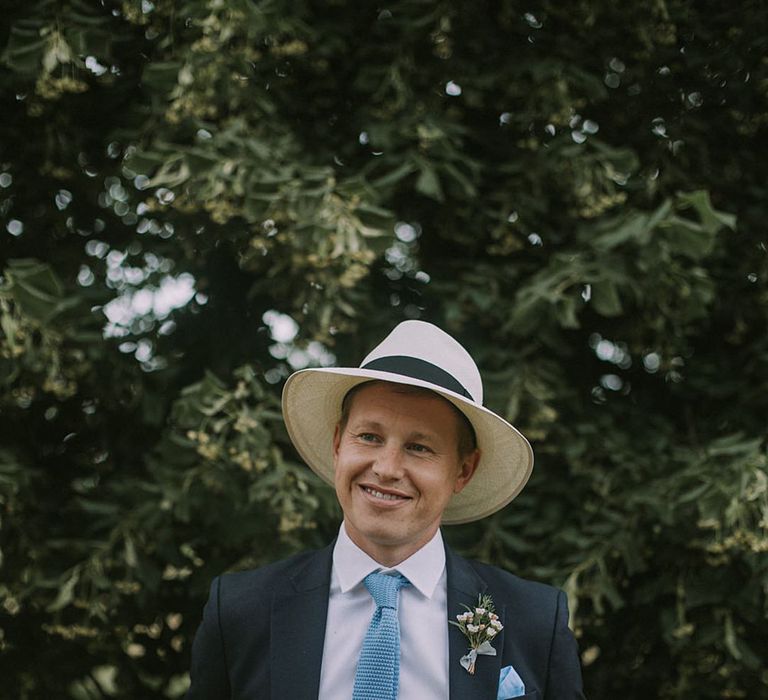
column 479, row 626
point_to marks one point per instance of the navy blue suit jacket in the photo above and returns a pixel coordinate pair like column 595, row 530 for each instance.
column 262, row 633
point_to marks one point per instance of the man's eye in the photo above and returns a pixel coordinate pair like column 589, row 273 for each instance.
column 416, row 447
column 367, row 437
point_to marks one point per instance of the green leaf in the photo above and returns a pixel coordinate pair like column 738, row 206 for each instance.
column 688, row 237
column 393, row 176
column 711, row 219
column 605, row 298
column 636, row 227
column 130, row 552
column 66, row 592
column 37, row 290
column 428, row 183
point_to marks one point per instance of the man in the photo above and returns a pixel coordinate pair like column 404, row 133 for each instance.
column 408, row 446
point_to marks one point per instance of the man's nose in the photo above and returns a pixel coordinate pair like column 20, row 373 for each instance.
column 389, row 462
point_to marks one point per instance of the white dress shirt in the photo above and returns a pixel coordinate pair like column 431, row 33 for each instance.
column 422, row 613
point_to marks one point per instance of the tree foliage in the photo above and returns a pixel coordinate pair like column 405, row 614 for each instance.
column 198, row 197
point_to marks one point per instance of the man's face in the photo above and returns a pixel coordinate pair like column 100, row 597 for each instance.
column 396, row 467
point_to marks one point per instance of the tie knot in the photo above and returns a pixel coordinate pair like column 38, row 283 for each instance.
column 385, row 587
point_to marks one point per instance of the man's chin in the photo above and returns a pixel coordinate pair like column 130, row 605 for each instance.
column 381, row 529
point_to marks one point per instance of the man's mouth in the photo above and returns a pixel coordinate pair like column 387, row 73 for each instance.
column 384, row 496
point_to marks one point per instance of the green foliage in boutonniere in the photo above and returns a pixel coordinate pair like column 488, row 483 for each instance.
column 479, row 625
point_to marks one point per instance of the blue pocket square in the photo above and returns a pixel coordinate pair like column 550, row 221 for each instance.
column 510, row 684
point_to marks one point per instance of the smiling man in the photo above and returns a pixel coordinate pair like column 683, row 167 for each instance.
column 398, row 462
column 408, row 446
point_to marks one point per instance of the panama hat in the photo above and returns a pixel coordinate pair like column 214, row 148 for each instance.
column 418, row 354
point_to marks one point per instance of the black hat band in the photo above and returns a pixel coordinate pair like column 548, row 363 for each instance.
column 416, row 368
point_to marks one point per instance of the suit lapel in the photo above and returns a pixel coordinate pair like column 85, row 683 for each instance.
column 464, row 585
column 298, row 629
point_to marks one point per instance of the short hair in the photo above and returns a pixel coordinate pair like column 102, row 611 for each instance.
column 465, row 433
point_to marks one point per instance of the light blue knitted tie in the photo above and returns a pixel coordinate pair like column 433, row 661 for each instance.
column 378, row 670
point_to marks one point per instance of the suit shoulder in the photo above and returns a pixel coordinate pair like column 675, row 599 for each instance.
column 535, row 607
column 262, row 574
column 254, row 584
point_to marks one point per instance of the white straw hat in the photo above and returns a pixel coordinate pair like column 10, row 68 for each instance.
column 418, row 354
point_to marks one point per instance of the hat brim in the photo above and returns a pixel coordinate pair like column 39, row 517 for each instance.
column 312, row 408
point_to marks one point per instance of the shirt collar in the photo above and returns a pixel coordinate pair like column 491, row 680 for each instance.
column 423, row 568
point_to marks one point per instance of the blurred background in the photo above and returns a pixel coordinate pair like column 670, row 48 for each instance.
column 199, row 197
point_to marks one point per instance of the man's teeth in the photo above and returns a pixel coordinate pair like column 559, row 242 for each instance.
column 385, row 496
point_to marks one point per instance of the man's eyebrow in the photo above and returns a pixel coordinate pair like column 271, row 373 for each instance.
column 421, row 436
column 368, row 424
column 365, row 424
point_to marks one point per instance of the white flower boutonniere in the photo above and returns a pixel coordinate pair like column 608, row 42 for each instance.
column 479, row 626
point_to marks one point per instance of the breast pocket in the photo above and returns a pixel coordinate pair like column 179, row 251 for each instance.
column 533, row 695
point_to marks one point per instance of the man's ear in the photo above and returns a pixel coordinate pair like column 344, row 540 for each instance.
column 467, row 470
column 336, row 441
